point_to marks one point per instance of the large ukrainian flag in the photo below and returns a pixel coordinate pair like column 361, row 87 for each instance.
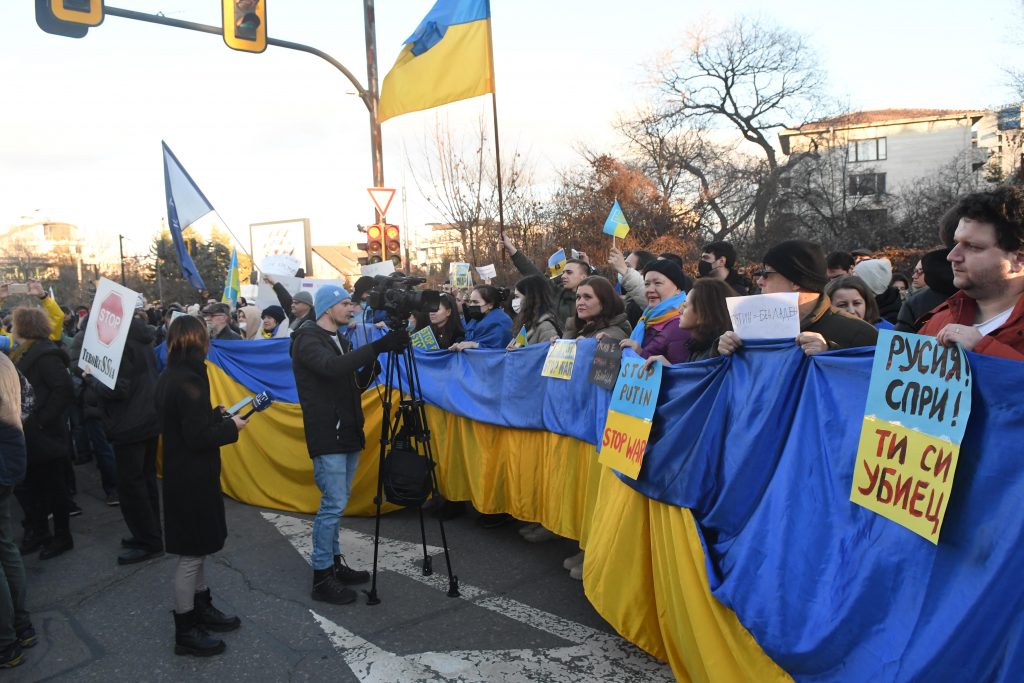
column 446, row 59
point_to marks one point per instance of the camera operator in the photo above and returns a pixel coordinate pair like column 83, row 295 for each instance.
column 329, row 376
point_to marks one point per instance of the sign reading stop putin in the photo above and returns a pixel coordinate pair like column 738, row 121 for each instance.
column 107, row 331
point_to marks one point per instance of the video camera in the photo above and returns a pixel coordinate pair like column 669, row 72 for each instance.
column 394, row 294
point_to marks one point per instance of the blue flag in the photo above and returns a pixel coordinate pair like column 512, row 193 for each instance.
column 185, row 205
column 616, row 224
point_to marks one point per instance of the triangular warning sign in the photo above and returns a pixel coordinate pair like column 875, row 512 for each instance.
column 381, row 197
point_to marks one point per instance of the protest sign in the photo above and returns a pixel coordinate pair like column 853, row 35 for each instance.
column 385, row 267
column 267, row 297
column 109, row 319
column 424, row 339
column 604, row 371
column 765, row 316
column 280, row 264
column 459, row 276
column 628, row 424
column 560, row 359
column 918, row 404
column 488, row 272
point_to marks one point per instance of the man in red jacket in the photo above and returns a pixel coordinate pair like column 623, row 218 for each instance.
column 987, row 314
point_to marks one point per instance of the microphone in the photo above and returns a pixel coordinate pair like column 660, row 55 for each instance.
column 260, row 402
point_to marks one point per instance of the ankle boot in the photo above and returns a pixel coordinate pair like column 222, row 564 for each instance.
column 326, row 588
column 192, row 639
column 345, row 574
column 58, row 545
column 211, row 618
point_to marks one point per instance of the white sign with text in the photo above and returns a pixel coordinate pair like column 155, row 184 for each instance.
column 488, row 272
column 765, row 316
column 267, row 296
column 385, row 267
column 107, row 331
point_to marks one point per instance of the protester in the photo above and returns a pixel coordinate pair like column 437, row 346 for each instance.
column 705, row 316
column 852, row 295
column 987, row 314
column 194, row 521
column 47, row 439
column 273, row 327
column 799, row 266
column 901, row 283
column 94, row 436
column 877, row 274
column 917, row 278
column 330, row 376
column 299, row 308
column 717, row 260
column 938, row 286
column 444, row 323
column 631, row 282
column 218, row 322
column 16, row 630
column 657, row 333
column 132, row 426
column 563, row 287
column 532, row 305
column 838, row 264
column 599, row 310
column 250, row 324
column 487, row 326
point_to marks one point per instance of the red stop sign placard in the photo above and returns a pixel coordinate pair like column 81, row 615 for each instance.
column 108, row 323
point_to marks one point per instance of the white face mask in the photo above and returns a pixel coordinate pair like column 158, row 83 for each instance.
column 517, row 304
column 242, row 326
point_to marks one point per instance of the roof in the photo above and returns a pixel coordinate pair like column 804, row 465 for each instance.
column 877, row 116
column 342, row 259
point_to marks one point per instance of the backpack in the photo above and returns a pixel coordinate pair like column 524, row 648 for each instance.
column 28, row 397
column 406, row 477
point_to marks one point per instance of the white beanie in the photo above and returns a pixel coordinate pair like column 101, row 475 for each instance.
column 876, row 273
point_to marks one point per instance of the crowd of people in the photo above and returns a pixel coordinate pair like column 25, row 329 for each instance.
column 52, row 414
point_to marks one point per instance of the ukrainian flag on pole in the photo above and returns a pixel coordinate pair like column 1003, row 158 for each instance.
column 232, row 285
column 447, row 58
column 616, row 224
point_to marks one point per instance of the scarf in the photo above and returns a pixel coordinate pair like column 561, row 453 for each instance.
column 656, row 315
column 20, row 350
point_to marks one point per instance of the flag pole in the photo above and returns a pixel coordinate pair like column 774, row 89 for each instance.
column 497, row 143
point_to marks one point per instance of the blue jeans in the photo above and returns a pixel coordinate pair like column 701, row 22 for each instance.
column 13, row 615
column 104, row 453
column 333, row 473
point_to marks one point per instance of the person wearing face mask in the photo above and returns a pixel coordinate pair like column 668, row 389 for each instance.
column 249, row 322
column 532, row 306
column 272, row 323
column 852, row 295
column 487, row 326
column 218, row 322
column 716, row 261
column 658, row 333
column 444, row 323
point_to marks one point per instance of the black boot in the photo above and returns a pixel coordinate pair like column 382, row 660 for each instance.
column 211, row 618
column 326, row 588
column 58, row 545
column 345, row 574
column 34, row 540
column 192, row 639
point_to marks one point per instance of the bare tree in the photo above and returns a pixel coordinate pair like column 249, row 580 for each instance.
column 921, row 202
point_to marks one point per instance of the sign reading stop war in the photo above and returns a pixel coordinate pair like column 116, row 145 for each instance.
column 105, row 335
column 918, row 404
column 628, row 425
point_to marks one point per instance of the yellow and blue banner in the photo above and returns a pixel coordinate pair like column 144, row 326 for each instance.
column 447, row 58
column 232, row 284
column 186, row 204
column 616, row 224
column 556, row 263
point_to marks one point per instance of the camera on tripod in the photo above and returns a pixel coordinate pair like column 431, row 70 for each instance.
column 394, row 294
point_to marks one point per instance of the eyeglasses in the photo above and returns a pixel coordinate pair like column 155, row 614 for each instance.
column 764, row 273
column 918, row 271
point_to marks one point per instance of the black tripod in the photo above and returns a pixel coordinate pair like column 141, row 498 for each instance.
column 406, row 435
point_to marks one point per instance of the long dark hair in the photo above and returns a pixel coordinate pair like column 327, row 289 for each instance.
column 611, row 305
column 707, row 300
column 871, row 313
column 187, row 340
column 536, row 302
column 452, row 329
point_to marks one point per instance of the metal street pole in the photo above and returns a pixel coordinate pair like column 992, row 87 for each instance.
column 376, row 148
column 120, row 245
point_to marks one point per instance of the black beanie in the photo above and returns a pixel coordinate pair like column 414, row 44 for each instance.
column 363, row 285
column 800, row 261
column 672, row 271
column 938, row 272
column 275, row 312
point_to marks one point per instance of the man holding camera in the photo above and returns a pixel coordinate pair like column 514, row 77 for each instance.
column 330, row 377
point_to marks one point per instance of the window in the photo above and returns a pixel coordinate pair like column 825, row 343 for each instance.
column 865, row 184
column 866, row 150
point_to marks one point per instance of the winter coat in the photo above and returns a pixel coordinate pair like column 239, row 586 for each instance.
column 667, row 339
column 12, row 438
column 564, row 299
column 228, row 334
column 1006, row 341
column 45, row 366
column 919, row 303
column 193, row 432
column 840, row 329
column 889, row 303
column 494, row 331
column 618, row 328
column 329, row 375
column 740, row 284
column 284, row 297
column 128, row 410
column 543, row 330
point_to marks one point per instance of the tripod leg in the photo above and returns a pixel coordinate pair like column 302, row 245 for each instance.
column 385, row 426
column 428, row 566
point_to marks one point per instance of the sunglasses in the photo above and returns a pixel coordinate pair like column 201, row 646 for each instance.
column 762, row 273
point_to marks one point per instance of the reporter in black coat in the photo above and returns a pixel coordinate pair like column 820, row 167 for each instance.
column 194, row 522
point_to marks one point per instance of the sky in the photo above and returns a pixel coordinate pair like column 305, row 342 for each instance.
column 281, row 135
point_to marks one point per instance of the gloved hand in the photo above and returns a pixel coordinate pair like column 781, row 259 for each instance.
column 395, row 340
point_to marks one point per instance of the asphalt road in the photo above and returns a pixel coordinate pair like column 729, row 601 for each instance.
column 520, row 616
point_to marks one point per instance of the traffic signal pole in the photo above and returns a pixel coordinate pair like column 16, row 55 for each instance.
column 367, row 95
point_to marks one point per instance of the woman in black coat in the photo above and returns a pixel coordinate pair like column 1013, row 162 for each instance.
column 194, row 523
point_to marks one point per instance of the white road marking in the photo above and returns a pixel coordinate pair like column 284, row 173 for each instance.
column 594, row 655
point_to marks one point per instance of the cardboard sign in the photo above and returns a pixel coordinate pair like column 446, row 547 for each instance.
column 385, row 267
column 630, row 414
column 765, row 316
column 459, row 276
column 267, row 297
column 109, row 319
column 560, row 360
column 425, row 339
column 919, row 401
column 604, row 371
column 280, row 264
column 488, row 272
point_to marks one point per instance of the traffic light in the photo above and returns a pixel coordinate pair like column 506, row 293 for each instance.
column 244, row 24
column 51, row 24
column 375, row 243
column 393, row 243
column 85, row 12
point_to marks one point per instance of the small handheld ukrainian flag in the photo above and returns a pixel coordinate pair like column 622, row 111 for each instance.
column 556, row 263
column 232, row 284
column 616, row 225
column 521, row 337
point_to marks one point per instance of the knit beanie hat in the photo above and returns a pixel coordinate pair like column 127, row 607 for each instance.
column 876, row 274
column 938, row 272
column 275, row 312
column 672, row 271
column 304, row 297
column 327, row 296
column 799, row 261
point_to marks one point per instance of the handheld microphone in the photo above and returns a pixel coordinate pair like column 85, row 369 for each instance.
column 260, row 402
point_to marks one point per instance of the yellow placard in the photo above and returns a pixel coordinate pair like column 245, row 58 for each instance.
column 624, row 442
column 560, row 360
column 904, row 475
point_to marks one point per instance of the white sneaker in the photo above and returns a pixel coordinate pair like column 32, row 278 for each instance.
column 528, row 529
column 574, row 561
column 576, row 573
column 540, row 534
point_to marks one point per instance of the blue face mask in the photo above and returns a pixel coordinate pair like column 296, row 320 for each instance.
column 364, row 305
